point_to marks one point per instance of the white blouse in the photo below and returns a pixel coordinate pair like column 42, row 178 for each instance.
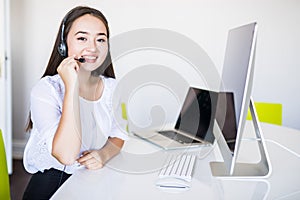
column 97, row 123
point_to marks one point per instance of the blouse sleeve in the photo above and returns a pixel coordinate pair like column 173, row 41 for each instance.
column 45, row 111
column 119, row 127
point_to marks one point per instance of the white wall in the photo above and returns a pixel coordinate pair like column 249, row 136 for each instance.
column 35, row 24
column 5, row 82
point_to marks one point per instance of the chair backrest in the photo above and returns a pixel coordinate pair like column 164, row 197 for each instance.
column 124, row 115
column 268, row 112
column 4, row 178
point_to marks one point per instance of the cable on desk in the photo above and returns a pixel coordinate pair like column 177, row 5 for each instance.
column 274, row 142
column 61, row 176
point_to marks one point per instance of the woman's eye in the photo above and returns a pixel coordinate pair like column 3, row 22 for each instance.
column 81, row 38
column 101, row 40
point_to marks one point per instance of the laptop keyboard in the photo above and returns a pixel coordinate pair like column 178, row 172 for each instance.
column 179, row 166
column 178, row 137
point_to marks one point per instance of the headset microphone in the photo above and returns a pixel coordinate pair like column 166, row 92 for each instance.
column 81, row 60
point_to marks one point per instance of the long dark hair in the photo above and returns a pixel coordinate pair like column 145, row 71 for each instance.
column 106, row 68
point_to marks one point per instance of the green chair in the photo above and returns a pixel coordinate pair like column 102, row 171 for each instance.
column 268, row 112
column 124, row 115
column 4, row 179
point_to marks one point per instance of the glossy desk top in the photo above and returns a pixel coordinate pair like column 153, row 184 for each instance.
column 133, row 173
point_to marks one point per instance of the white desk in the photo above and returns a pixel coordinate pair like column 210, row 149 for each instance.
column 132, row 174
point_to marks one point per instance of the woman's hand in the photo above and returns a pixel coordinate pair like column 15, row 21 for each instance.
column 68, row 70
column 91, row 159
column 95, row 159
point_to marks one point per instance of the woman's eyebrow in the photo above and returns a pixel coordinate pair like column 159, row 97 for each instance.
column 102, row 34
column 84, row 32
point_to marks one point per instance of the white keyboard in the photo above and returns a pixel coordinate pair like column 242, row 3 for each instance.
column 179, row 166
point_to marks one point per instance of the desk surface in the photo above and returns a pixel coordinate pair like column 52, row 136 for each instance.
column 133, row 173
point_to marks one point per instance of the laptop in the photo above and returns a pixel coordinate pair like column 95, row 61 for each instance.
column 194, row 125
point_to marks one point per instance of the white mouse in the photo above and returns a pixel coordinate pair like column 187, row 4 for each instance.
column 172, row 183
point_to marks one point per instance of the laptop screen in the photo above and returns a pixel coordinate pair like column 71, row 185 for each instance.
column 197, row 114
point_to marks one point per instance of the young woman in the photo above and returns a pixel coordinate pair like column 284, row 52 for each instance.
column 71, row 116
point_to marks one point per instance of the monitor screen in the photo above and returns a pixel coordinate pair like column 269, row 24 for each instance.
column 197, row 113
column 226, row 118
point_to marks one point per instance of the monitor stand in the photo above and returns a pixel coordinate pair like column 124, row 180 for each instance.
column 247, row 170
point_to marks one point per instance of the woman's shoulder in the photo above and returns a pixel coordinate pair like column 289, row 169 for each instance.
column 48, row 84
column 109, row 89
column 110, row 83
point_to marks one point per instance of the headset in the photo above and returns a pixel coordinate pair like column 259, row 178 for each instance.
column 62, row 47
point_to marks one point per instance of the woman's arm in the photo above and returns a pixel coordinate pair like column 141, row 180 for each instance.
column 95, row 159
column 67, row 140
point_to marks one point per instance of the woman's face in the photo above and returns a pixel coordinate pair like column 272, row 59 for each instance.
column 87, row 38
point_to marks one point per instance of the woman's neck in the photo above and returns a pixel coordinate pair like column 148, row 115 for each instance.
column 90, row 87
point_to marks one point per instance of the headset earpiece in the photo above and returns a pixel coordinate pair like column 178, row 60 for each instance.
column 62, row 47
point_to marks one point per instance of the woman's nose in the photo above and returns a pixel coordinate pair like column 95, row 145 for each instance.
column 92, row 46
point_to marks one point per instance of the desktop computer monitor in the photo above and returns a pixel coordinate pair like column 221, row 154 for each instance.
column 233, row 103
